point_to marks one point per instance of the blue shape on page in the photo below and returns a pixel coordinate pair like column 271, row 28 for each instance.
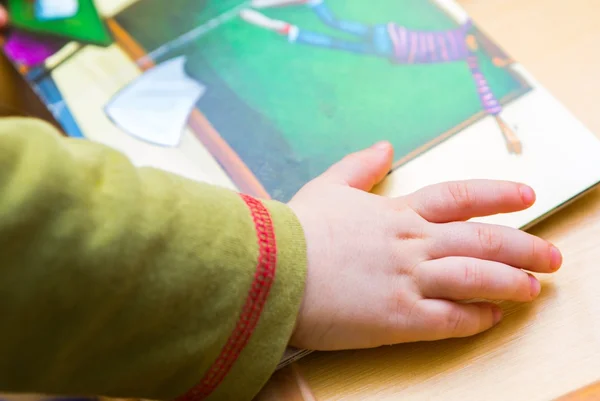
column 49, row 10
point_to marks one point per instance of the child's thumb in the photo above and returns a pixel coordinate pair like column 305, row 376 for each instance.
column 364, row 169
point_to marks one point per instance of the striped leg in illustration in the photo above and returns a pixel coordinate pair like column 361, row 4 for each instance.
column 492, row 106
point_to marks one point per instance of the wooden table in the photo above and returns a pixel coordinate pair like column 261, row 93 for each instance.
column 543, row 350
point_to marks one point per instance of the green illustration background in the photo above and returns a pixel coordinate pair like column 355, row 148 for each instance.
column 291, row 110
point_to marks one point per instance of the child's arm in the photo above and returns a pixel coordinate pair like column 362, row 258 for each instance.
column 131, row 282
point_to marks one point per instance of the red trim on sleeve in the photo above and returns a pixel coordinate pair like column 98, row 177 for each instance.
column 252, row 309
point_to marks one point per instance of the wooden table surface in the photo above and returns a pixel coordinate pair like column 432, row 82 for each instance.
column 541, row 351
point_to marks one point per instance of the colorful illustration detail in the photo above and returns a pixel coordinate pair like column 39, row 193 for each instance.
column 71, row 20
column 397, row 43
column 42, row 27
column 46, row 10
column 156, row 106
column 30, row 50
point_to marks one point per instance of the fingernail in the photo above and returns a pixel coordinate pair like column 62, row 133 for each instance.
column 534, row 286
column 383, row 145
column 497, row 314
column 555, row 258
column 527, row 194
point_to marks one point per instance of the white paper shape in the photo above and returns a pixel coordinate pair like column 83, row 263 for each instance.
column 156, row 106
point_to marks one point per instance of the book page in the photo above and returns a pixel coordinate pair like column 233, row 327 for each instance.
column 103, row 72
column 559, row 159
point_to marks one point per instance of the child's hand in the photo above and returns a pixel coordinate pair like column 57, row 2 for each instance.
column 384, row 270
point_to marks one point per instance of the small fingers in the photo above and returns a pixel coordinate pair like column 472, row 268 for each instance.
column 439, row 319
column 463, row 200
column 495, row 243
column 459, row 278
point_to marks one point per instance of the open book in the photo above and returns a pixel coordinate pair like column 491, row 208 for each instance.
column 262, row 96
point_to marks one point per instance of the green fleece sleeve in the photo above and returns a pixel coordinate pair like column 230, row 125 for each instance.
column 132, row 282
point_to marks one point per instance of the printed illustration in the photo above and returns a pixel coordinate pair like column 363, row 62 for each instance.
column 397, row 43
column 42, row 27
column 156, row 107
column 274, row 90
column 30, row 50
column 46, row 10
column 291, row 86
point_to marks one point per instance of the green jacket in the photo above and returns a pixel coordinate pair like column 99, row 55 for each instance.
column 132, row 282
